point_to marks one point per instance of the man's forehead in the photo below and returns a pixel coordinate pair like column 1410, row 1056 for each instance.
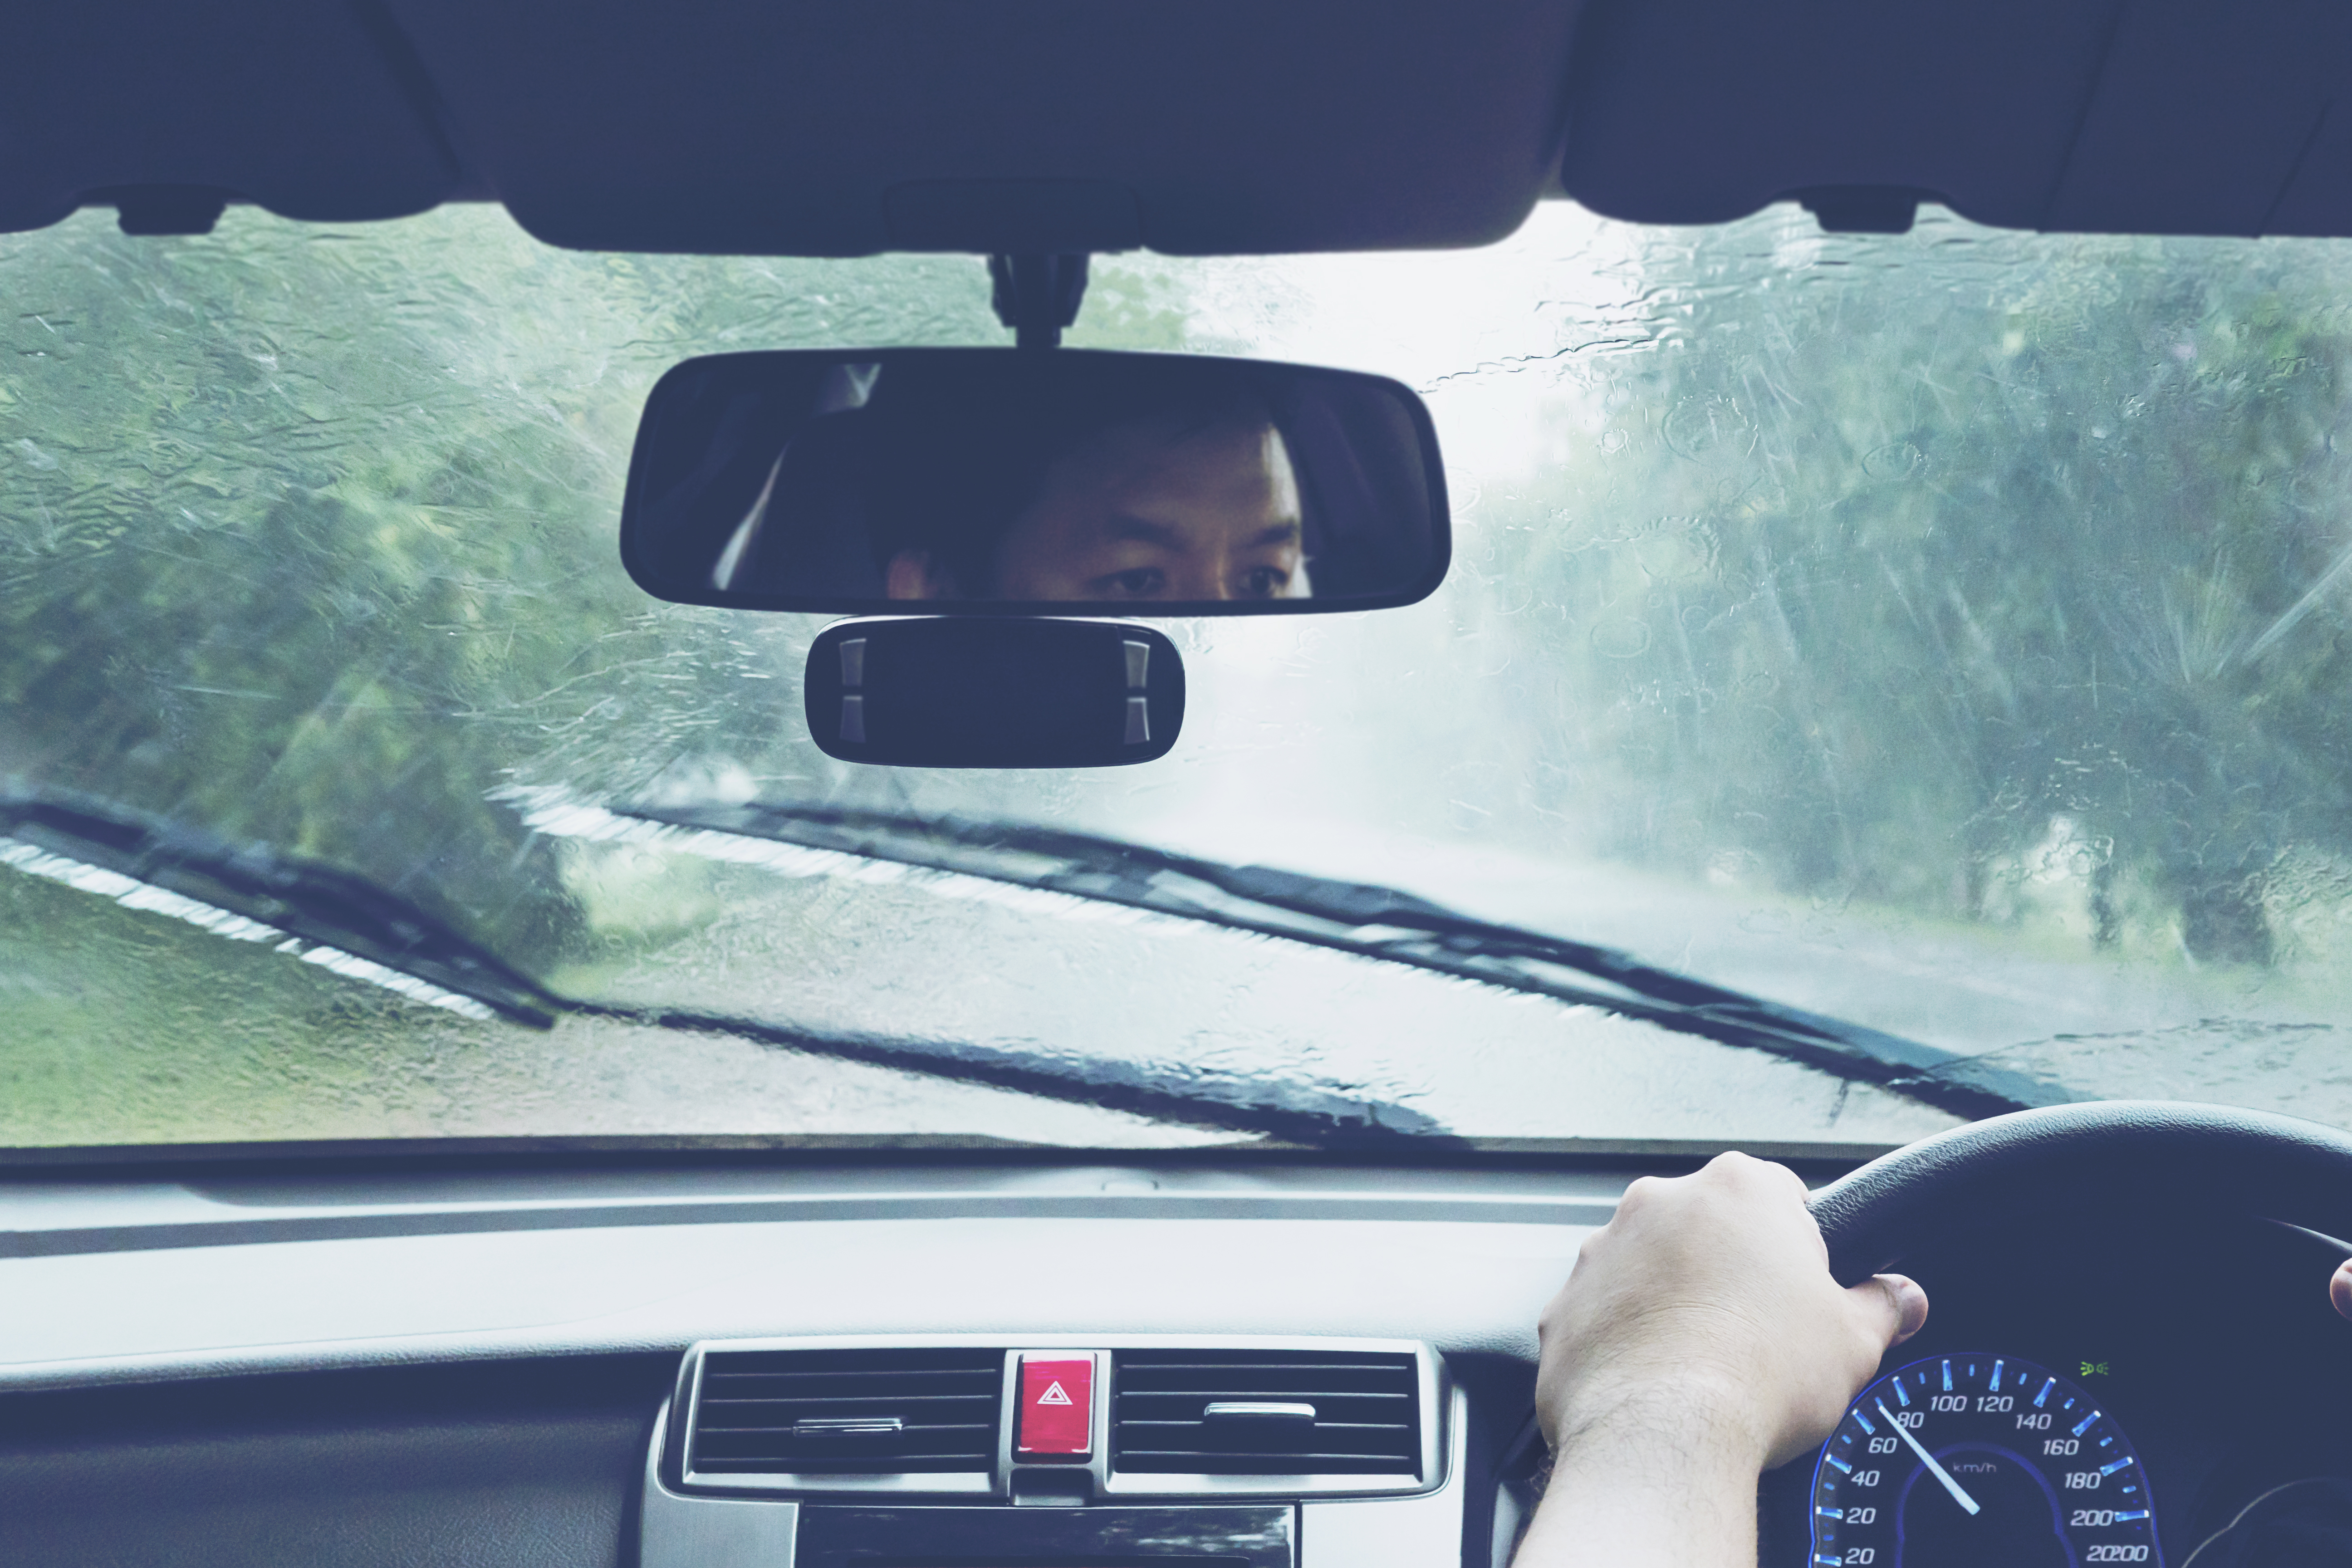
column 1230, row 464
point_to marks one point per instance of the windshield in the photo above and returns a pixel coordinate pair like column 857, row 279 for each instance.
column 1940, row 637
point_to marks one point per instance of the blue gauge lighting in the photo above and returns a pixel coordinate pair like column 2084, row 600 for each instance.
column 1960, row 1461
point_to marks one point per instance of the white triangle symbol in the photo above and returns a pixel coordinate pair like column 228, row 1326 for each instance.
column 1053, row 1396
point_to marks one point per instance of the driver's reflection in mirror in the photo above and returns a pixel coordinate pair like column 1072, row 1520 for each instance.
column 1193, row 500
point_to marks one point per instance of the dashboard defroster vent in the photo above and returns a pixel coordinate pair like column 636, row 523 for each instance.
column 1264, row 1412
column 903, row 1411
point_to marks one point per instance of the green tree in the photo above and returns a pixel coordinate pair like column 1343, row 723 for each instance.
column 307, row 532
column 1901, row 554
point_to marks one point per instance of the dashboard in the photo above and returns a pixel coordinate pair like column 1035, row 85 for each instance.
column 1073, row 1363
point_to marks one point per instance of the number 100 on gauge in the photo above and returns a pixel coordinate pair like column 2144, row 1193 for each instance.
column 1961, row 1460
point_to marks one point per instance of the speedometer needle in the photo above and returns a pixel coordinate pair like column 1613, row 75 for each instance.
column 1928, row 1459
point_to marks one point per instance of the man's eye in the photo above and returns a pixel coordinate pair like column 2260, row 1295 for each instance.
column 1263, row 582
column 1140, row 583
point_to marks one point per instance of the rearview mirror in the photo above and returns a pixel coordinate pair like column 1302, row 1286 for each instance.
column 1014, row 481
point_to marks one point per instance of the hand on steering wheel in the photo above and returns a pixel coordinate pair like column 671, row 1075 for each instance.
column 1699, row 1339
column 1711, row 1329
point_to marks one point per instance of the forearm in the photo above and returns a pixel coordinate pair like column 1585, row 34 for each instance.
column 1700, row 1340
column 1654, row 1488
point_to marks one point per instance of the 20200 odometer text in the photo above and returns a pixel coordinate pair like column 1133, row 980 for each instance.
column 1961, row 1460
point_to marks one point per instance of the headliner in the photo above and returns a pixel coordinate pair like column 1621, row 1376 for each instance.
column 1188, row 126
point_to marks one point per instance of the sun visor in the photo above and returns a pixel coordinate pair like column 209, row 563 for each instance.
column 2082, row 116
column 172, row 109
column 1188, row 126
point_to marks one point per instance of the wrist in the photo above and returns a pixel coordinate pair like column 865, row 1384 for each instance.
column 1649, row 1481
column 1654, row 1478
column 1690, row 1420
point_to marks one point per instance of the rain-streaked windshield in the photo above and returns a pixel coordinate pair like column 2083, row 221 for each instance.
column 1945, row 633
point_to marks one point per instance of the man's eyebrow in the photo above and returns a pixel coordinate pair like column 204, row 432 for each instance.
column 1280, row 534
column 1144, row 531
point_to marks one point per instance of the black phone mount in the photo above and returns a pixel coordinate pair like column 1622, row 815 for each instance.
column 1037, row 295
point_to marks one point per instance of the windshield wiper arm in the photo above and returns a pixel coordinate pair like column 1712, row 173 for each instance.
column 1378, row 922
column 337, row 920
column 357, row 928
column 1294, row 1111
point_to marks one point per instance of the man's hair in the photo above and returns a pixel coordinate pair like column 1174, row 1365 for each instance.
column 959, row 448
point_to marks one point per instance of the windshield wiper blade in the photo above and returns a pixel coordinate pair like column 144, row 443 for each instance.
column 332, row 918
column 1308, row 1114
column 1374, row 921
column 357, row 928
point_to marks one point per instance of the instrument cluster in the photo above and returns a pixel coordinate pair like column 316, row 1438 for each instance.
column 2086, row 1392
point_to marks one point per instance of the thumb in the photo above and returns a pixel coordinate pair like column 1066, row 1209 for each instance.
column 1894, row 1308
column 2339, row 1288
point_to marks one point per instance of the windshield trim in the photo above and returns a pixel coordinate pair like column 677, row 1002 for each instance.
column 1823, row 1159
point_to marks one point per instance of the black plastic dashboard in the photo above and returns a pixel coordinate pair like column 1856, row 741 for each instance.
column 474, row 1363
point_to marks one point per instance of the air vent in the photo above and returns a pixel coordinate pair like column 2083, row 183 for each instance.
column 1264, row 1412
column 846, row 1412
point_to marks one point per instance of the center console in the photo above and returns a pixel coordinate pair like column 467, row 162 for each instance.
column 1056, row 1452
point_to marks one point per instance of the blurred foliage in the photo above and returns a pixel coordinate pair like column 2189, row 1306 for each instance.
column 307, row 532
column 1892, row 568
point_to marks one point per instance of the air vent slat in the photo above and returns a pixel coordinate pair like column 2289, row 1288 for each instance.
column 1367, row 1414
column 1399, row 1408
column 855, row 1403
column 798, row 1412
column 1328, row 1430
column 1280, row 1463
column 738, row 1435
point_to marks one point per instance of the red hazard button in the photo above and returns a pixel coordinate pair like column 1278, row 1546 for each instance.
column 1058, row 1407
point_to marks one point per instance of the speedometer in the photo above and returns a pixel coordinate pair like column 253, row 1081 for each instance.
column 1974, row 1459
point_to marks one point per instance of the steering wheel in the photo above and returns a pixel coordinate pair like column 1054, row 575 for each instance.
column 2146, row 1153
